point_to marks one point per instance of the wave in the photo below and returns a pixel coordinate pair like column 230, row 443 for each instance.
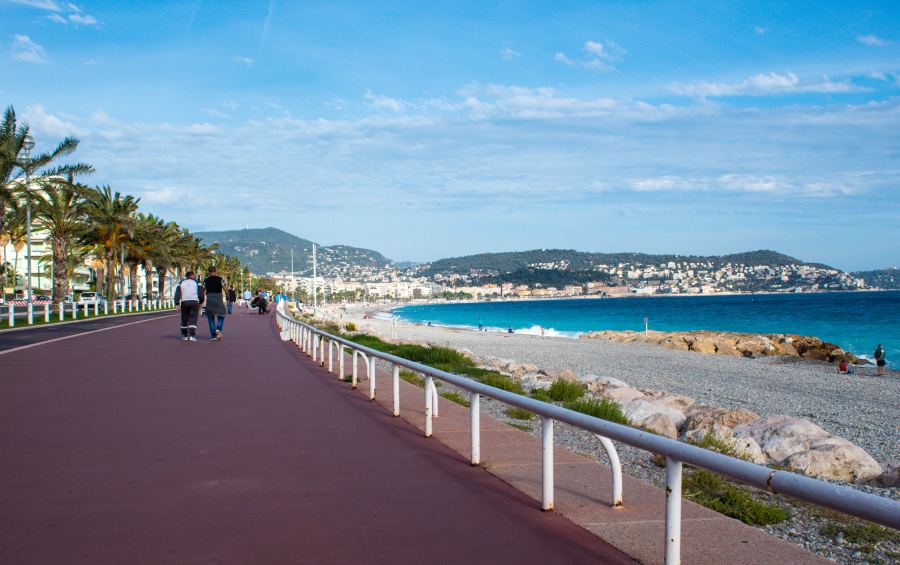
column 547, row 332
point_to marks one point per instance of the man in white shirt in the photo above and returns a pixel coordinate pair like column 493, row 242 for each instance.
column 188, row 295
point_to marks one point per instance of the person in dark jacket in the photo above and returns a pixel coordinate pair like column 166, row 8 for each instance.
column 188, row 296
column 232, row 298
column 215, row 304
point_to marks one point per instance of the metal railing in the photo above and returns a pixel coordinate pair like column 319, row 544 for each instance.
column 62, row 310
column 844, row 499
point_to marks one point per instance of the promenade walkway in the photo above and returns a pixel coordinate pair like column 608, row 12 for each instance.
column 130, row 446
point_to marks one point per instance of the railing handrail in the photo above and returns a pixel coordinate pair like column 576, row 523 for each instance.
column 845, row 499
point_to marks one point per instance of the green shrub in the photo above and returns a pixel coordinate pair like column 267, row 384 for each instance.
column 350, row 327
column 414, row 378
column 541, row 394
column 857, row 531
column 519, row 413
column 602, row 408
column 523, row 427
column 565, row 391
column 456, row 397
column 502, row 382
column 710, row 490
column 713, row 443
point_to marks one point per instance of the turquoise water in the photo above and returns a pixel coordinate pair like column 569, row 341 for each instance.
column 857, row 321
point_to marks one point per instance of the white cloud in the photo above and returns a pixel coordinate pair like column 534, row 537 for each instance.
column 86, row 20
column 764, row 84
column 508, row 53
column 871, row 40
column 46, row 125
column 383, row 102
column 54, row 17
column 562, row 58
column 760, row 30
column 27, row 51
column 216, row 113
column 167, row 195
column 246, row 61
column 40, row 4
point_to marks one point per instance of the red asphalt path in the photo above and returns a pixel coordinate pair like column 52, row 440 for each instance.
column 131, row 446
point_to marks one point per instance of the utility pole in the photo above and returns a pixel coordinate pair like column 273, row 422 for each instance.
column 315, row 294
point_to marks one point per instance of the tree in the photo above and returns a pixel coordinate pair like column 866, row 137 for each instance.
column 111, row 222
column 58, row 206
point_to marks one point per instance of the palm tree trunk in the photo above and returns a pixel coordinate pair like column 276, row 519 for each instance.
column 161, row 272
column 133, row 275
column 60, row 270
column 148, row 280
column 111, row 273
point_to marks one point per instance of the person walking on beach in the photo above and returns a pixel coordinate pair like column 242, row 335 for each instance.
column 880, row 360
column 188, row 296
column 232, row 298
column 215, row 304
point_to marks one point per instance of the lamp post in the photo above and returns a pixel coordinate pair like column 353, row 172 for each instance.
column 25, row 163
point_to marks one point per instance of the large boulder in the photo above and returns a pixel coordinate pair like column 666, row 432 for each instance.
column 567, row 375
column 535, row 381
column 784, row 347
column 675, row 342
column 701, row 417
column 661, row 424
column 835, row 458
column 727, row 346
column 704, row 344
column 803, row 446
column 743, row 447
column 640, row 409
column 622, row 394
column 603, row 381
column 754, row 346
column 677, row 401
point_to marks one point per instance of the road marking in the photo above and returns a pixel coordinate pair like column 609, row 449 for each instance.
column 30, row 345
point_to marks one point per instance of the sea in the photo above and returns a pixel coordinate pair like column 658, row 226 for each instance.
column 856, row 321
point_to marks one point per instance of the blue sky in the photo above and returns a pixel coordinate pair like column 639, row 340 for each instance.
column 431, row 129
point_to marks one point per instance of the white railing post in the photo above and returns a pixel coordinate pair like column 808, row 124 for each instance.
column 315, row 350
column 115, row 306
column 372, row 378
column 616, row 467
column 475, row 420
column 395, row 381
column 547, row 463
column 87, row 310
column 435, row 405
column 62, row 311
column 47, row 312
column 673, row 512
column 96, row 309
column 12, row 315
column 340, row 362
column 353, row 379
column 106, row 307
column 74, row 311
column 29, row 308
column 330, row 355
column 428, row 405
column 322, row 350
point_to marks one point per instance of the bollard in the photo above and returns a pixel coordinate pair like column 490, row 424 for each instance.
column 47, row 312
column 62, row 311
column 115, row 306
column 547, row 463
column 428, row 405
column 396, row 387
column 74, row 311
column 105, row 307
column 96, row 309
column 30, row 309
column 372, row 378
column 673, row 512
column 475, row 425
column 12, row 315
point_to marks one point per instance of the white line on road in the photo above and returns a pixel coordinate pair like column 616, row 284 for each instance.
column 30, row 345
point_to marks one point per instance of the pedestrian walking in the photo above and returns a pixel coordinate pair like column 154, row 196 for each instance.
column 188, row 296
column 215, row 304
column 232, row 298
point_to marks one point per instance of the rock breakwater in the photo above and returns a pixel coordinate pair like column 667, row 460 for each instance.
column 735, row 344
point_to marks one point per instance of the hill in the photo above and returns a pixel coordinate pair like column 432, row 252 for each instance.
column 268, row 250
column 888, row 279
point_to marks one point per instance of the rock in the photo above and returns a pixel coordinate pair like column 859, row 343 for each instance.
column 661, row 424
column 641, row 409
column 744, row 447
column 622, row 394
column 784, row 348
column 837, row 459
column 704, row 344
column 567, row 375
column 603, row 381
column 815, row 354
column 675, row 342
column 676, row 401
column 726, row 346
column 837, row 355
column 890, row 476
column 754, row 346
column 805, row 447
column 535, row 381
column 704, row 417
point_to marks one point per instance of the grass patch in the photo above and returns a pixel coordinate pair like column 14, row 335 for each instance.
column 348, row 378
column 456, row 397
column 519, row 413
column 859, row 532
column 602, row 408
column 350, row 327
column 523, row 427
column 541, row 394
column 713, row 443
column 711, row 490
column 502, row 382
column 412, row 378
column 566, row 391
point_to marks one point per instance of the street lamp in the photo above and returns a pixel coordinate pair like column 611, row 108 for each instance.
column 25, row 163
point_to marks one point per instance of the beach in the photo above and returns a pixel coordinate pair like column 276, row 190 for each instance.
column 862, row 408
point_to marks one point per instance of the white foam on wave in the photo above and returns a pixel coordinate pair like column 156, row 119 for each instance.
column 547, row 332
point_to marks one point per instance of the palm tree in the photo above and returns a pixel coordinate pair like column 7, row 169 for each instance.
column 58, row 206
column 111, row 223
column 12, row 137
column 163, row 253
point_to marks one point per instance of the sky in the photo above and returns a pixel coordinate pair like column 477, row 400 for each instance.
column 432, row 129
